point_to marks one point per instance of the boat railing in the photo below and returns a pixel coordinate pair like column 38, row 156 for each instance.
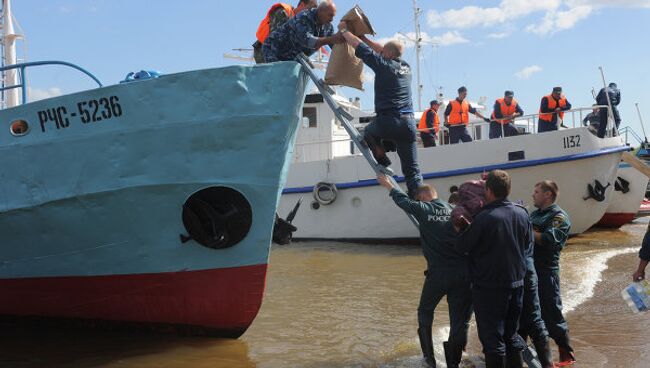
column 573, row 117
column 528, row 123
column 628, row 131
column 22, row 67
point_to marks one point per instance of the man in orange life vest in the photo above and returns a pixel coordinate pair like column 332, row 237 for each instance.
column 551, row 110
column 429, row 125
column 457, row 117
column 305, row 33
column 277, row 15
column 506, row 109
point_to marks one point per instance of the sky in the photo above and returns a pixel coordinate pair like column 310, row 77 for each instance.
column 528, row 46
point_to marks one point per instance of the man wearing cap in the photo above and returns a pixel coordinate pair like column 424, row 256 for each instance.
column 429, row 124
column 506, row 109
column 615, row 99
column 457, row 117
column 551, row 111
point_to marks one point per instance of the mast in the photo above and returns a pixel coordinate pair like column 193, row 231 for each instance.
column 418, row 50
column 9, row 37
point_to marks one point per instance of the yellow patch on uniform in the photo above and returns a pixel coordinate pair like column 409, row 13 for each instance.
column 558, row 220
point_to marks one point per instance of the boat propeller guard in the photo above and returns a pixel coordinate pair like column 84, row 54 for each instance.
column 325, row 193
column 216, row 217
column 596, row 191
column 622, row 185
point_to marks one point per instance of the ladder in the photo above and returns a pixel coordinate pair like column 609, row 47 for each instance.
column 344, row 117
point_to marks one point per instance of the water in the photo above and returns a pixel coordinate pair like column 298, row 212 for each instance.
column 350, row 305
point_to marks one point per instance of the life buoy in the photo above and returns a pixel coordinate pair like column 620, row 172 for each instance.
column 325, row 193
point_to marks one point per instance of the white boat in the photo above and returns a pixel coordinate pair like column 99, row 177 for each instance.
column 626, row 198
column 347, row 203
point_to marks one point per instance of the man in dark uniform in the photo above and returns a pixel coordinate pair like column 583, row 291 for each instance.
column 644, row 257
column 551, row 111
column 498, row 242
column 446, row 272
column 306, row 33
column 551, row 225
column 457, row 117
column 615, row 99
column 393, row 104
column 506, row 109
column 531, row 323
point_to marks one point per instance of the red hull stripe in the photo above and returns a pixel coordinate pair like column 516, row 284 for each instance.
column 615, row 220
column 226, row 299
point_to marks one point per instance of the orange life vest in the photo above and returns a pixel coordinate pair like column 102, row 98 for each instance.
column 505, row 110
column 459, row 113
column 265, row 26
column 423, row 122
column 552, row 105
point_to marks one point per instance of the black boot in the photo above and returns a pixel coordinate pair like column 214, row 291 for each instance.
column 495, row 361
column 426, row 343
column 453, row 354
column 514, row 360
column 377, row 151
column 544, row 353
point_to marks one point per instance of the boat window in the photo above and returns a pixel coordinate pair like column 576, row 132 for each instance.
column 19, row 128
column 310, row 113
column 217, row 217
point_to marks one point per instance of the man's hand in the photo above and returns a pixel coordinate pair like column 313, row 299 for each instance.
column 640, row 271
column 385, row 181
column 338, row 38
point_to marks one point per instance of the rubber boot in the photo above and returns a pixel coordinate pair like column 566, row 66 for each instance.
column 544, row 353
column 426, row 343
column 453, row 354
column 514, row 360
column 377, row 151
column 495, row 361
column 566, row 355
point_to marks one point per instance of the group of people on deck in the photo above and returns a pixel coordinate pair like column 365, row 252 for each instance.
column 504, row 267
column 507, row 109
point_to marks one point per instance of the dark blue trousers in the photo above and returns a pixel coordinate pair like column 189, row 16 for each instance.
column 459, row 133
column 545, row 126
column 602, row 116
column 400, row 129
column 456, row 286
column 497, row 312
column 551, row 303
column 509, row 130
column 531, row 323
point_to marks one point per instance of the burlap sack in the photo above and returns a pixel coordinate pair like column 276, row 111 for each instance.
column 344, row 68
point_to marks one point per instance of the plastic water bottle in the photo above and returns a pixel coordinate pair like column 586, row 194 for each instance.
column 637, row 296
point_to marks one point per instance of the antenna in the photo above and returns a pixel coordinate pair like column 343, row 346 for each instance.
column 418, row 49
column 641, row 121
column 9, row 37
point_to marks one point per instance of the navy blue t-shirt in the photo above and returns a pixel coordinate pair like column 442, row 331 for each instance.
column 392, row 81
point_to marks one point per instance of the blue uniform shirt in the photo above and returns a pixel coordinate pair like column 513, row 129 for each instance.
column 392, row 81
column 437, row 235
column 498, row 243
column 554, row 225
column 298, row 34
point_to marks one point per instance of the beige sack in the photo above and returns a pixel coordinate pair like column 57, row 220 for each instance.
column 344, row 68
